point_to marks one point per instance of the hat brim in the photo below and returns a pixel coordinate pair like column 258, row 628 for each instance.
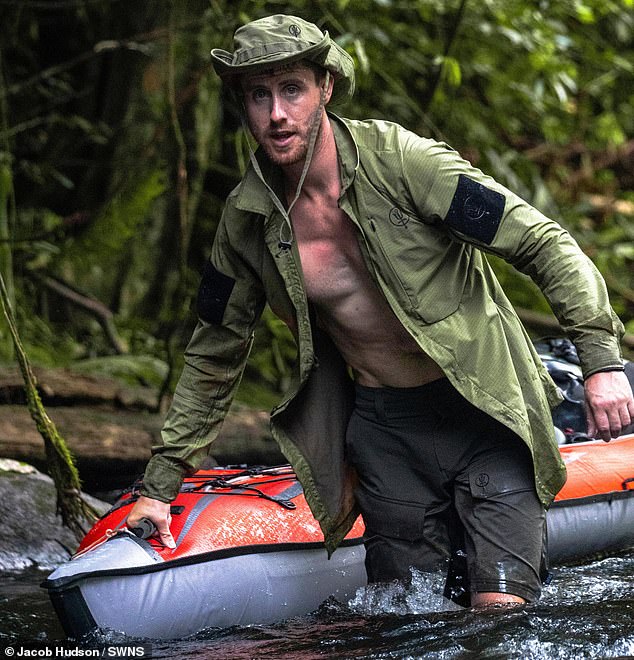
column 266, row 56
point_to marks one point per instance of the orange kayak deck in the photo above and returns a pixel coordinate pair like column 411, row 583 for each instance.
column 598, row 467
column 225, row 508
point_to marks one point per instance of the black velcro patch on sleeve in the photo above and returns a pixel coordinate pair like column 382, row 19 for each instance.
column 213, row 294
column 476, row 211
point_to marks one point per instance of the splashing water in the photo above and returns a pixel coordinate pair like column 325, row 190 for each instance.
column 422, row 595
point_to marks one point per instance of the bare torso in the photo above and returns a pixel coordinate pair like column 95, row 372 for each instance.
column 349, row 305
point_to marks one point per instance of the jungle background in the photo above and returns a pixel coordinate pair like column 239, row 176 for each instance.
column 117, row 152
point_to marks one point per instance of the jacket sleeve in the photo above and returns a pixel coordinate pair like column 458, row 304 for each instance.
column 449, row 192
column 229, row 304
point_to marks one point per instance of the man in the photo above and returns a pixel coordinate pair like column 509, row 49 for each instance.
column 368, row 242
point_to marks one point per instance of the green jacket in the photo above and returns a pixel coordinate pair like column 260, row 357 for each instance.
column 424, row 216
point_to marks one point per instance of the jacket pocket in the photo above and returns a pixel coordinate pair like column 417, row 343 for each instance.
column 422, row 265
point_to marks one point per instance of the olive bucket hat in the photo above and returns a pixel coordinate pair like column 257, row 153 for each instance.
column 282, row 39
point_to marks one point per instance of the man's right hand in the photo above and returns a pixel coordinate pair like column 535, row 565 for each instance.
column 156, row 511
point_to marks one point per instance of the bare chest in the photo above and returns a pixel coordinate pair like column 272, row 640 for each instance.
column 330, row 256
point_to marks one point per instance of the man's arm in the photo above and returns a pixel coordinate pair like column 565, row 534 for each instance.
column 478, row 210
column 230, row 301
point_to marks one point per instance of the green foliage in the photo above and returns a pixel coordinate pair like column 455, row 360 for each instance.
column 114, row 235
column 6, row 255
column 139, row 370
column 46, row 343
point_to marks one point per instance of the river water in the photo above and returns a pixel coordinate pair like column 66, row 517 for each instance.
column 586, row 612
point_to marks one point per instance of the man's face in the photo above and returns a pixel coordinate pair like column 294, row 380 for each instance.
column 281, row 108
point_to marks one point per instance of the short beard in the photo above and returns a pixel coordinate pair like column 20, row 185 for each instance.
column 300, row 157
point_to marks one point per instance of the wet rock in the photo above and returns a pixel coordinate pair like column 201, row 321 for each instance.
column 32, row 532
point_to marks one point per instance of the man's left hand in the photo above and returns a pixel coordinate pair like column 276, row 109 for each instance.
column 609, row 404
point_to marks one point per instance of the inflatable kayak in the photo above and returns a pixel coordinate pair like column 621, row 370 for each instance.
column 248, row 550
